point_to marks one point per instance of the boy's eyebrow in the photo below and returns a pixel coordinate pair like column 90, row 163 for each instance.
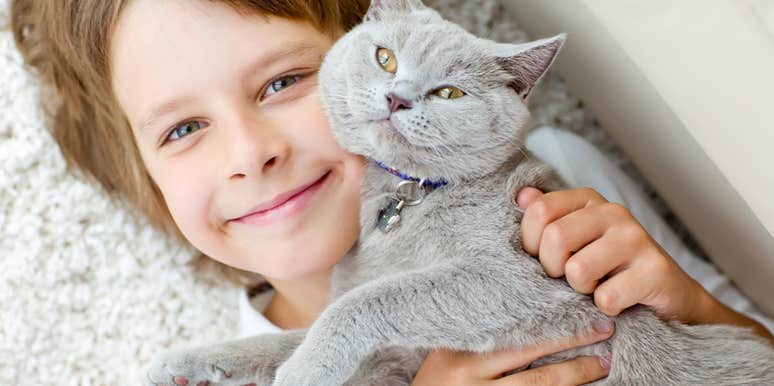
column 162, row 110
column 277, row 55
column 284, row 52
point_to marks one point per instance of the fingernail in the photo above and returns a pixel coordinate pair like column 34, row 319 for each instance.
column 603, row 326
column 605, row 361
column 180, row 381
column 521, row 198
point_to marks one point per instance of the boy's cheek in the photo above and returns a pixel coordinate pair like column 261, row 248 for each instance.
column 191, row 224
column 188, row 207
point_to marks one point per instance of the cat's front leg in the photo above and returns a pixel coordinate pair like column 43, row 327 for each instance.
column 331, row 356
column 473, row 305
column 251, row 360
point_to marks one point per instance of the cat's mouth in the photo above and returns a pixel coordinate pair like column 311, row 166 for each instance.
column 386, row 139
column 393, row 132
column 389, row 123
column 387, row 127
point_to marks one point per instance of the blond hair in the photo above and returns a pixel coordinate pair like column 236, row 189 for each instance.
column 67, row 43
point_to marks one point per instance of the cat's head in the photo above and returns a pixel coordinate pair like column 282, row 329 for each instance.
column 424, row 96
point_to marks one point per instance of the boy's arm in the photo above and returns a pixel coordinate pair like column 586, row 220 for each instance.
column 711, row 311
column 603, row 250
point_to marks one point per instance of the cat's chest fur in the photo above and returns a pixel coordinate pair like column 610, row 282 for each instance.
column 452, row 221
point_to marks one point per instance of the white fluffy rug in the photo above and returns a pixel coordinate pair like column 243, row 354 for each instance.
column 88, row 295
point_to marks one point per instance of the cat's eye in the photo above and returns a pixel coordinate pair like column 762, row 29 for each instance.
column 449, row 92
column 387, row 60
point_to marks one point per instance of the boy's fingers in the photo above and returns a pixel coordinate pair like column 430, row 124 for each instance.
column 586, row 267
column 626, row 288
column 553, row 205
column 494, row 364
column 577, row 371
column 526, row 196
column 571, row 233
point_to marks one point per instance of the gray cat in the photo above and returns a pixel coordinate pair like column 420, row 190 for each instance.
column 439, row 263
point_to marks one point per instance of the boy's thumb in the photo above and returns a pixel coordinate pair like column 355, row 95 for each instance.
column 526, row 196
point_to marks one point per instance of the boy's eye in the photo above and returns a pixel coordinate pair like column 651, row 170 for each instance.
column 387, row 60
column 449, row 92
column 184, row 129
column 280, row 84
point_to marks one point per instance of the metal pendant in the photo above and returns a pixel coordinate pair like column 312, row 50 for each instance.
column 389, row 215
column 407, row 193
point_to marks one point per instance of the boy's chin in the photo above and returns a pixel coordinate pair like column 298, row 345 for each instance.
column 298, row 268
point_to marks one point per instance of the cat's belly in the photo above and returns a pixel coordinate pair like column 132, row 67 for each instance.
column 392, row 366
column 429, row 234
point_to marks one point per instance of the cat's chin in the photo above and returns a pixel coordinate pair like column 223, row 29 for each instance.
column 387, row 144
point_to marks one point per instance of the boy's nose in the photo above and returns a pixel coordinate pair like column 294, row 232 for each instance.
column 397, row 103
column 257, row 153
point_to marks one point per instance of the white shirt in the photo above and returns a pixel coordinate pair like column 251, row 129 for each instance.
column 581, row 165
column 251, row 319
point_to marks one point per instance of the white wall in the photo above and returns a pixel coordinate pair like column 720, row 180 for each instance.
column 685, row 87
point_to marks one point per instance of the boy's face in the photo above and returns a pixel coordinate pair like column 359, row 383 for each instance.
column 226, row 114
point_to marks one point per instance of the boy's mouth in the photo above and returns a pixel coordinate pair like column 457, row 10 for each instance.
column 283, row 205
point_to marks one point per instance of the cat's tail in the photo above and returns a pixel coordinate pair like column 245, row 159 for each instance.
column 647, row 351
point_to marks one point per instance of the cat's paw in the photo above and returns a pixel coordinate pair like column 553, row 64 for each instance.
column 195, row 368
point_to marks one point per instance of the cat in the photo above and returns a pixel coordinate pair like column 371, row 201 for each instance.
column 440, row 114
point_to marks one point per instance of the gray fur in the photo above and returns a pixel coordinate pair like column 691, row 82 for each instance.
column 453, row 274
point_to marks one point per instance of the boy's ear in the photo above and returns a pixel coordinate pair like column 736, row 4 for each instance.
column 528, row 62
column 379, row 7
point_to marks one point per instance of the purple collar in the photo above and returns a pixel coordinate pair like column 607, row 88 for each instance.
column 425, row 183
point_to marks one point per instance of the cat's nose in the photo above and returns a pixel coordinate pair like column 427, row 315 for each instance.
column 397, row 103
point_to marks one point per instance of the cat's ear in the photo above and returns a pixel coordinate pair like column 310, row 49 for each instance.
column 379, row 7
column 528, row 62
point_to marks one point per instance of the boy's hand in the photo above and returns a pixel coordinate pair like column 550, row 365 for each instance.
column 449, row 368
column 602, row 249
